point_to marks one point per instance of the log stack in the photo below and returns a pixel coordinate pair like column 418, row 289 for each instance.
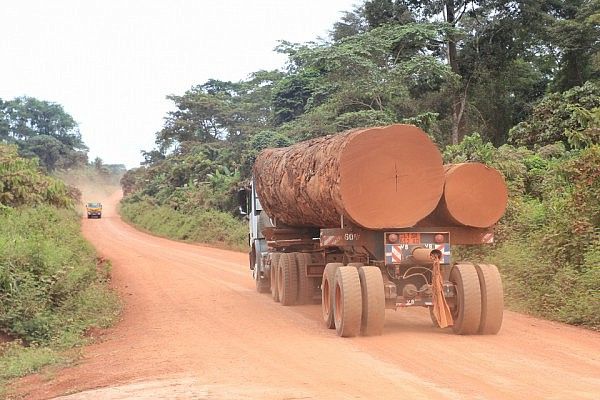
column 376, row 178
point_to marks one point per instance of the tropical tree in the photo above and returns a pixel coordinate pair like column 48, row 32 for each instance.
column 44, row 130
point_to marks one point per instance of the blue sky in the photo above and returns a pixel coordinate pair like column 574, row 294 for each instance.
column 111, row 63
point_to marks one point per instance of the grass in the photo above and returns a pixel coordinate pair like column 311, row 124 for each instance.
column 205, row 226
column 52, row 289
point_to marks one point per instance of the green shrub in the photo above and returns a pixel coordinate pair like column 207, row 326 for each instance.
column 23, row 183
column 571, row 117
column 197, row 225
column 48, row 276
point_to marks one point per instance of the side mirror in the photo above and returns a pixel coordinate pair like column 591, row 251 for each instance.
column 243, row 201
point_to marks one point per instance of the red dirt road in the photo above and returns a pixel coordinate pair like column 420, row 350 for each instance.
column 194, row 327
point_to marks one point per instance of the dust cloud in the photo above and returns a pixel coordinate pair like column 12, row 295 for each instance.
column 95, row 186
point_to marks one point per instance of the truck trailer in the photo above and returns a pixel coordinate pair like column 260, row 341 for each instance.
column 365, row 221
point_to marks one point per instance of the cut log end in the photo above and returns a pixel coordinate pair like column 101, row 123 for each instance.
column 474, row 195
column 390, row 177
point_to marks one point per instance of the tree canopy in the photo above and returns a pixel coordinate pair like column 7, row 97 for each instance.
column 44, row 130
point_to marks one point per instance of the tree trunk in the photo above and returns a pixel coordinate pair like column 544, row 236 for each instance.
column 458, row 98
column 388, row 177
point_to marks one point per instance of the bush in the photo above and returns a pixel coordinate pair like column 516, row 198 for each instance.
column 572, row 117
column 198, row 225
column 22, row 183
column 51, row 288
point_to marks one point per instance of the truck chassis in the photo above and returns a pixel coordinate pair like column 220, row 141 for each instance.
column 357, row 274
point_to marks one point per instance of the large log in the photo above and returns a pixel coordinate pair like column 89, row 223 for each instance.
column 475, row 195
column 385, row 177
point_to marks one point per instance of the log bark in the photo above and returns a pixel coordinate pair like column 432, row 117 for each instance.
column 376, row 178
column 475, row 195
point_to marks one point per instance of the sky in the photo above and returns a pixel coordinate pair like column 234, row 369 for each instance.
column 112, row 63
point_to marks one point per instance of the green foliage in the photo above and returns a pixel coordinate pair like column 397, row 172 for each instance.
column 205, row 226
column 357, row 119
column 373, row 78
column 471, row 148
column 218, row 110
column 22, row 183
column 572, row 117
column 51, row 286
column 17, row 360
column 44, row 130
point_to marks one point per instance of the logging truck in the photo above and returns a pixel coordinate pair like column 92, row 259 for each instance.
column 365, row 221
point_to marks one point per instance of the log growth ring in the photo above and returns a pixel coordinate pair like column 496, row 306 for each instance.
column 390, row 177
column 474, row 194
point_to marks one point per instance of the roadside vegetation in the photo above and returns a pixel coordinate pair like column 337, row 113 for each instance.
column 200, row 225
column 514, row 87
column 53, row 288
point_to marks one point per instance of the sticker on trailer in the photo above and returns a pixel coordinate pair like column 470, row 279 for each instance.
column 394, row 253
column 445, row 250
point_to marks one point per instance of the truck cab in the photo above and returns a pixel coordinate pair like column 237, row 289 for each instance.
column 258, row 220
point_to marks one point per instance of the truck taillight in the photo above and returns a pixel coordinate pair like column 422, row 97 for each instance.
column 392, row 238
column 439, row 238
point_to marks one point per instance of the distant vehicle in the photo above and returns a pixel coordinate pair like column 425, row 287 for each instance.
column 94, row 210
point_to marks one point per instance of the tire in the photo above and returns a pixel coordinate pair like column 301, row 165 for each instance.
column 274, row 264
column 492, row 299
column 373, row 301
column 348, row 305
column 306, row 288
column 327, row 293
column 288, row 285
column 262, row 284
column 467, row 308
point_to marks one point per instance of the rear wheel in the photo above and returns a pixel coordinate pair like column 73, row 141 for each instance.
column 347, row 307
column 274, row 287
column 466, row 310
column 306, row 289
column 373, row 301
column 288, row 285
column 492, row 299
column 327, row 293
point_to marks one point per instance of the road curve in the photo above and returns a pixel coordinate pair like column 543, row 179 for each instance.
column 194, row 327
